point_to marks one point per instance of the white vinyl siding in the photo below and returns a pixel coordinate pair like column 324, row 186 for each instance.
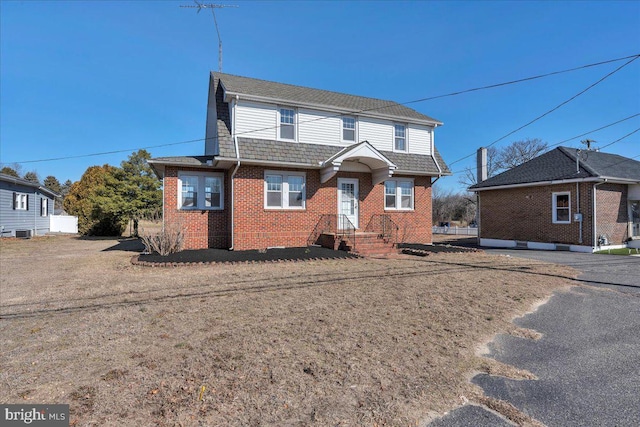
column 256, row 120
column 379, row 133
column 561, row 208
column 420, row 139
column 317, row 127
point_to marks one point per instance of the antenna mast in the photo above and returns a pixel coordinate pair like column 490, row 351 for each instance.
column 588, row 143
column 213, row 8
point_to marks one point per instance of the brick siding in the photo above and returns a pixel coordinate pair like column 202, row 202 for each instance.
column 612, row 212
column 256, row 227
column 525, row 214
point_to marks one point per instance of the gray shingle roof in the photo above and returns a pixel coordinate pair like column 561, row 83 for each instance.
column 304, row 95
column 27, row 183
column 560, row 164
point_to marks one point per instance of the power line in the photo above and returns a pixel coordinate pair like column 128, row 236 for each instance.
column 619, row 139
column 390, row 104
column 576, row 137
column 553, row 109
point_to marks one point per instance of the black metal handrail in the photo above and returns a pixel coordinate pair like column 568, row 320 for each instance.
column 337, row 224
column 384, row 226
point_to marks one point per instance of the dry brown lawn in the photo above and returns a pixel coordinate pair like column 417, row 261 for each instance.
column 333, row 342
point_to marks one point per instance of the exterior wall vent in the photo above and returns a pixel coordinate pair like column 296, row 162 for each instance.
column 23, row 234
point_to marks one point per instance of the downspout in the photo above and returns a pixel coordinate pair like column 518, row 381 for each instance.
column 234, row 102
column 595, row 214
column 578, row 206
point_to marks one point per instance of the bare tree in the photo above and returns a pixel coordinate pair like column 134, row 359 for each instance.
column 501, row 159
column 519, row 152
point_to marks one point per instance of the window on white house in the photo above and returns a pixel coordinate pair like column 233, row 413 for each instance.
column 561, row 203
column 200, row 191
column 284, row 190
column 43, row 207
column 348, row 129
column 398, row 194
column 20, row 201
column 400, row 138
column 287, row 123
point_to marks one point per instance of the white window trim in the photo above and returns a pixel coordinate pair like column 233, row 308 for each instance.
column 355, row 130
column 279, row 123
column 399, row 195
column 22, row 200
column 201, row 199
column 285, row 190
column 554, row 207
column 406, row 138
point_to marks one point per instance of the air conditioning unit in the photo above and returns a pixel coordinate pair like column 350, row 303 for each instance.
column 23, row 234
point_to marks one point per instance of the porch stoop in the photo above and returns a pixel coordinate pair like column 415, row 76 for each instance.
column 369, row 244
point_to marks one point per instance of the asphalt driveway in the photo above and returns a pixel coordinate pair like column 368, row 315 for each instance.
column 587, row 360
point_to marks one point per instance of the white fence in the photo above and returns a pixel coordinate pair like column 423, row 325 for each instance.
column 63, row 224
column 462, row 231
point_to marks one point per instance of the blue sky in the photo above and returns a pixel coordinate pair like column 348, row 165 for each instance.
column 83, row 77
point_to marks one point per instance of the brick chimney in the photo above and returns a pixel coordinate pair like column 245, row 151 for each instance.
column 481, row 166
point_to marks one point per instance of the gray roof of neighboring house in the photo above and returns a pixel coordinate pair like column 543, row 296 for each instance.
column 560, row 164
column 305, row 95
column 20, row 181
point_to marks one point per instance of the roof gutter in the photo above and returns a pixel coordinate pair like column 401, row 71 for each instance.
column 234, row 103
column 536, row 184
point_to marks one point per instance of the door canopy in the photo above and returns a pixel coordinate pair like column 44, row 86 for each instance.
column 363, row 155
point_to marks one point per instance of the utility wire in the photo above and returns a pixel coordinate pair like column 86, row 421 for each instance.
column 388, row 105
column 553, row 109
column 471, row 169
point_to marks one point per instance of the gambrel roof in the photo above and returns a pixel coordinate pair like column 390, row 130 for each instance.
column 564, row 163
column 327, row 100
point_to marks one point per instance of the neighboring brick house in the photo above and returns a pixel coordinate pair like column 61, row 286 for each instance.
column 288, row 166
column 565, row 199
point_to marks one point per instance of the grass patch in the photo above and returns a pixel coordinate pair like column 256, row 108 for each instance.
column 619, row 251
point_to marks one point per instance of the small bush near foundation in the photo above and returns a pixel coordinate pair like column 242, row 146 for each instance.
column 167, row 241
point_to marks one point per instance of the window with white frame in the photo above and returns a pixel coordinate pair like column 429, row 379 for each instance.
column 44, row 207
column 635, row 218
column 398, row 194
column 20, row 201
column 284, row 190
column 561, row 205
column 287, row 123
column 349, row 129
column 200, row 191
column 400, row 137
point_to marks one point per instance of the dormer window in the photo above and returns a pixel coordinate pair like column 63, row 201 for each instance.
column 287, row 124
column 349, row 129
column 400, row 138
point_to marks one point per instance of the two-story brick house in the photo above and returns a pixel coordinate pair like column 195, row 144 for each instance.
column 284, row 164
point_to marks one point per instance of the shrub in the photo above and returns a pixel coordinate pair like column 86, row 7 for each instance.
column 169, row 240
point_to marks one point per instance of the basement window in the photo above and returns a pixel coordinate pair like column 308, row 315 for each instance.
column 561, row 205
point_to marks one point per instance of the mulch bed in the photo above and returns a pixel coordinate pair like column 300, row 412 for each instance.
column 214, row 256
column 423, row 250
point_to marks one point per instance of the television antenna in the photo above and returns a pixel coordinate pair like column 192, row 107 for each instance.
column 213, row 8
column 588, row 143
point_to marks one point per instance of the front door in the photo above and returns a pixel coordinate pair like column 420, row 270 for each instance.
column 347, row 201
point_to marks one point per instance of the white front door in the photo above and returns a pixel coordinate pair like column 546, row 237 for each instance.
column 348, row 201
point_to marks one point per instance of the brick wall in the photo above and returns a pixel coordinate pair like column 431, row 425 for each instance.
column 256, row 227
column 203, row 228
column 612, row 212
column 525, row 214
